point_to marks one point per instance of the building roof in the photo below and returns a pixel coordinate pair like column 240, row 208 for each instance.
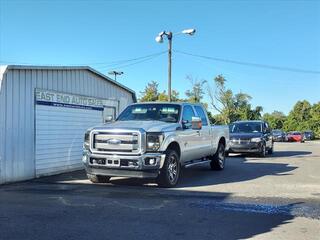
column 28, row 67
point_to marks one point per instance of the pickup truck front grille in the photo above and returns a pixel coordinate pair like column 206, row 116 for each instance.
column 111, row 142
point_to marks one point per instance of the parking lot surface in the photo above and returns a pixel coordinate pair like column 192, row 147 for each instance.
column 277, row 197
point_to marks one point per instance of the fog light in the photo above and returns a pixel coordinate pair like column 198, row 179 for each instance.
column 152, row 161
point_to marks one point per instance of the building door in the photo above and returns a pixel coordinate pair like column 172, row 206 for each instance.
column 59, row 137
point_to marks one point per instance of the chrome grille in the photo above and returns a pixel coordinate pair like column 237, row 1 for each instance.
column 111, row 142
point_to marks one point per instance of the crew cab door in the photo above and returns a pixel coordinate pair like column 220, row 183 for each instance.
column 206, row 140
column 190, row 139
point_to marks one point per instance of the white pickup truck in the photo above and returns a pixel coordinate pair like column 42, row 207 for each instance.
column 154, row 140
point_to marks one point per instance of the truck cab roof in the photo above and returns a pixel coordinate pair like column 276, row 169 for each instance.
column 173, row 103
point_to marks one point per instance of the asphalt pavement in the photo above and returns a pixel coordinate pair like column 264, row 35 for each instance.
column 277, row 197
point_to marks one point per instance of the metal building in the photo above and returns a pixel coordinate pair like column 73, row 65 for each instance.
column 44, row 112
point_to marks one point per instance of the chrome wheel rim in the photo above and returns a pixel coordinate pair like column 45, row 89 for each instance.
column 172, row 169
column 221, row 156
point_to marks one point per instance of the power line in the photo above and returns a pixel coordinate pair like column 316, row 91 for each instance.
column 127, row 60
column 106, row 64
column 289, row 69
column 130, row 64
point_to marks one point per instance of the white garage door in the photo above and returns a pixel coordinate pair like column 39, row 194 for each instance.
column 59, row 137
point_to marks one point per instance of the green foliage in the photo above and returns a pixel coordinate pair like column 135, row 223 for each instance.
column 195, row 95
column 275, row 119
column 231, row 107
column 163, row 96
column 152, row 94
column 314, row 121
column 298, row 118
column 304, row 116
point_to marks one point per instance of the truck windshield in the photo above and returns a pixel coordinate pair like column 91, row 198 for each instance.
column 151, row 112
column 246, row 127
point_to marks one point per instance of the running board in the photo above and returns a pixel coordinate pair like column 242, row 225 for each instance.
column 194, row 163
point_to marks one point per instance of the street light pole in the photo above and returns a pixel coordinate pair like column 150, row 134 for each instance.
column 169, row 64
column 169, row 35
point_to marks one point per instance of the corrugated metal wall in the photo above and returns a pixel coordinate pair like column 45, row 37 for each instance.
column 17, row 111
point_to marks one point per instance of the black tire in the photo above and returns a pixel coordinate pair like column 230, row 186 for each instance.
column 98, row 178
column 170, row 172
column 270, row 151
column 263, row 151
column 219, row 158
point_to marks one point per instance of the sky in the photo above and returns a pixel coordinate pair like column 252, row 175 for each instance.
column 100, row 33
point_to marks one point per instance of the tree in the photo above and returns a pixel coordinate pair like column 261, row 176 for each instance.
column 221, row 100
column 255, row 114
column 314, row 121
column 150, row 93
column 163, row 96
column 275, row 119
column 299, row 116
column 231, row 107
column 304, row 116
column 195, row 95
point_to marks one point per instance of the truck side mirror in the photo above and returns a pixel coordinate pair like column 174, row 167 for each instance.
column 196, row 123
column 108, row 119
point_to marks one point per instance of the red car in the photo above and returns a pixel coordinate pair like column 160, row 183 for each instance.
column 295, row 137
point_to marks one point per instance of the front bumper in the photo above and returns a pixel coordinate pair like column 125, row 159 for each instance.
column 137, row 166
column 278, row 139
column 245, row 148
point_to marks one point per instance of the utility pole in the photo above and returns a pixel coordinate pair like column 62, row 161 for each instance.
column 169, row 64
column 115, row 73
column 169, row 36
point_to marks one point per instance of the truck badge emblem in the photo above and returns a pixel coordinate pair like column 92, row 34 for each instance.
column 113, row 141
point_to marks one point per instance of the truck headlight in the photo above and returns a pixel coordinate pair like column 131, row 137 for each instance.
column 154, row 141
column 255, row 140
column 86, row 143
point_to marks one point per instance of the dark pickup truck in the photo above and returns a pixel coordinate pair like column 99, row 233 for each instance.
column 251, row 137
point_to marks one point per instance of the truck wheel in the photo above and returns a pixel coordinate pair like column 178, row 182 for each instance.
column 219, row 158
column 170, row 172
column 98, row 178
column 270, row 151
column 262, row 152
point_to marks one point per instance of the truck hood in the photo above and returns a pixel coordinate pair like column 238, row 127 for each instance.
column 148, row 126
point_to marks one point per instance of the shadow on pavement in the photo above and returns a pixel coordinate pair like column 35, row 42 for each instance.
column 290, row 154
column 52, row 210
column 237, row 170
column 276, row 154
column 68, row 206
